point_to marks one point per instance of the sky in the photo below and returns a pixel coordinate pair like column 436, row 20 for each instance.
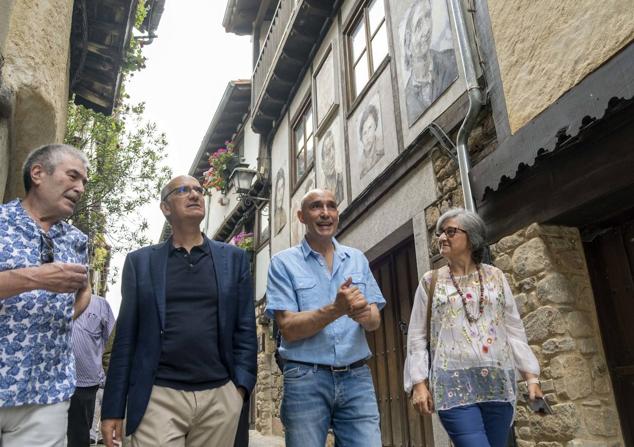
column 187, row 70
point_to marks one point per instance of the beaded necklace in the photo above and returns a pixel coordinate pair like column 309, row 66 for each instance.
column 470, row 317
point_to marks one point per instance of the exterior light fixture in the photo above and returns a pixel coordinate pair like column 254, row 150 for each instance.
column 242, row 179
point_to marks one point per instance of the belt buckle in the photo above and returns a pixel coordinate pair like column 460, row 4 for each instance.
column 340, row 368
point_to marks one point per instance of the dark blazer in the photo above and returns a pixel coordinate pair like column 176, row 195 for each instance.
column 137, row 345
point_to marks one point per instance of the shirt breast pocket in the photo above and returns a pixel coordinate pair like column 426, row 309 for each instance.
column 306, row 291
column 91, row 324
column 358, row 281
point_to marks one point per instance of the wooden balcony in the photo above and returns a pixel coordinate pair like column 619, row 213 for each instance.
column 296, row 28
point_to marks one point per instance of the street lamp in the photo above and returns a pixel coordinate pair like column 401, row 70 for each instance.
column 242, row 179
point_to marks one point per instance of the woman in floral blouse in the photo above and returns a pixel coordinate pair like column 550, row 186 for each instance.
column 477, row 340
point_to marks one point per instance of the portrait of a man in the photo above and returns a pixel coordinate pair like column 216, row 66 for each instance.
column 429, row 58
column 370, row 138
column 297, row 228
column 330, row 169
column 279, row 219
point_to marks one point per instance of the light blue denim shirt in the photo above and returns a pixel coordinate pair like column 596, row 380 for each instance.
column 299, row 280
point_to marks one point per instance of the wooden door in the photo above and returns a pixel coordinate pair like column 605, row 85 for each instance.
column 611, row 264
column 397, row 276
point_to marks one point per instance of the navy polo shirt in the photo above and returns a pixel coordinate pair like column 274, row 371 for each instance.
column 190, row 358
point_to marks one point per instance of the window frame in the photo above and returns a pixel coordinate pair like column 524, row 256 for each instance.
column 361, row 17
column 303, row 110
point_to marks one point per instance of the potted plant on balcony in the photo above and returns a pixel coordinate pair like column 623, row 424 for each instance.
column 222, row 162
column 243, row 240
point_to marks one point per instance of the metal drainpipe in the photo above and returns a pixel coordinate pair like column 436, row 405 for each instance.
column 475, row 99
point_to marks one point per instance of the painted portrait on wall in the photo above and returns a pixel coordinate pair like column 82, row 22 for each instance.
column 279, row 191
column 428, row 61
column 297, row 228
column 325, row 88
column 330, row 163
column 369, row 130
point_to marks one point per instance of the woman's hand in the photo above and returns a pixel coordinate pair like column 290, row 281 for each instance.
column 535, row 391
column 421, row 399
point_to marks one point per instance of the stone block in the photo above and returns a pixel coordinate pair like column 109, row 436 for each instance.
column 449, row 184
column 587, row 443
column 554, row 288
column 587, row 345
column 572, row 374
column 533, row 230
column 521, row 415
column 508, row 243
column 431, row 217
column 549, row 444
column 548, row 386
column 521, row 301
column 579, row 324
column 543, row 323
column 531, row 258
column 558, row 345
column 503, row 262
column 526, row 285
column 560, row 426
column 522, row 443
column 524, row 432
column 601, row 421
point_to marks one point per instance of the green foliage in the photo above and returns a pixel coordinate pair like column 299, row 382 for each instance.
column 126, row 156
column 134, row 59
column 141, row 13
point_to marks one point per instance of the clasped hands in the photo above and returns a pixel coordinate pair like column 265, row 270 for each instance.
column 351, row 302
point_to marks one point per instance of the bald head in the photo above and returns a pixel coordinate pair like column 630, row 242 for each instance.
column 316, row 193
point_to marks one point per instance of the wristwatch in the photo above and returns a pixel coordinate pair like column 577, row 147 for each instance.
column 533, row 381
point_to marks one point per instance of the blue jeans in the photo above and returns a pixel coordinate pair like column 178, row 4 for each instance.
column 316, row 399
column 486, row 424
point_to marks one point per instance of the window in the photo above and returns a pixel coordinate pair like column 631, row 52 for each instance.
column 303, row 143
column 367, row 44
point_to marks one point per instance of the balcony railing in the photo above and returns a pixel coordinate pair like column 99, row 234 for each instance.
column 296, row 26
column 270, row 46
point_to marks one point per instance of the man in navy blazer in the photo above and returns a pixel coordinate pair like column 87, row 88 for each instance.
column 184, row 355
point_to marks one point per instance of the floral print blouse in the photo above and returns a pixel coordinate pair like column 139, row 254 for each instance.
column 470, row 362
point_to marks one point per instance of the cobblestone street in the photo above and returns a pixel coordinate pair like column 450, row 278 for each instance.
column 258, row 440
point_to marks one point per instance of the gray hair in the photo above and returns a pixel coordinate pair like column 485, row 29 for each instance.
column 472, row 224
column 49, row 156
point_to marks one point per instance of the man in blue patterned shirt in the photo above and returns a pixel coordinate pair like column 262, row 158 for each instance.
column 323, row 296
column 43, row 286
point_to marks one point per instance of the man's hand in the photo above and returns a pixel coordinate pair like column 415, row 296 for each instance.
column 242, row 392
column 421, row 399
column 342, row 300
column 56, row 277
column 61, row 277
column 112, row 432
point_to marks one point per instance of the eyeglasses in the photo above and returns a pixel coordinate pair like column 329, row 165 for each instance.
column 450, row 232
column 47, row 249
column 184, row 190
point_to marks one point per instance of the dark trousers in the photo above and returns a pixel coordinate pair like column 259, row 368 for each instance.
column 486, row 424
column 80, row 413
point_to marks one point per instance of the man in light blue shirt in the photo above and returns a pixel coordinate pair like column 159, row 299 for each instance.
column 323, row 296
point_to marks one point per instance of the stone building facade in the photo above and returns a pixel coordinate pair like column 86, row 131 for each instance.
column 557, row 97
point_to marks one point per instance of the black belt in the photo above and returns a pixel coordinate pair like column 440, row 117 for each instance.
column 331, row 368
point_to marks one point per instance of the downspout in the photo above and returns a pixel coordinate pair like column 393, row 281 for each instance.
column 475, row 94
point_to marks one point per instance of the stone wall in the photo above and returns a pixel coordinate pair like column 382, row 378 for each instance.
column 35, row 49
column 268, row 393
column 545, row 48
column 546, row 268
